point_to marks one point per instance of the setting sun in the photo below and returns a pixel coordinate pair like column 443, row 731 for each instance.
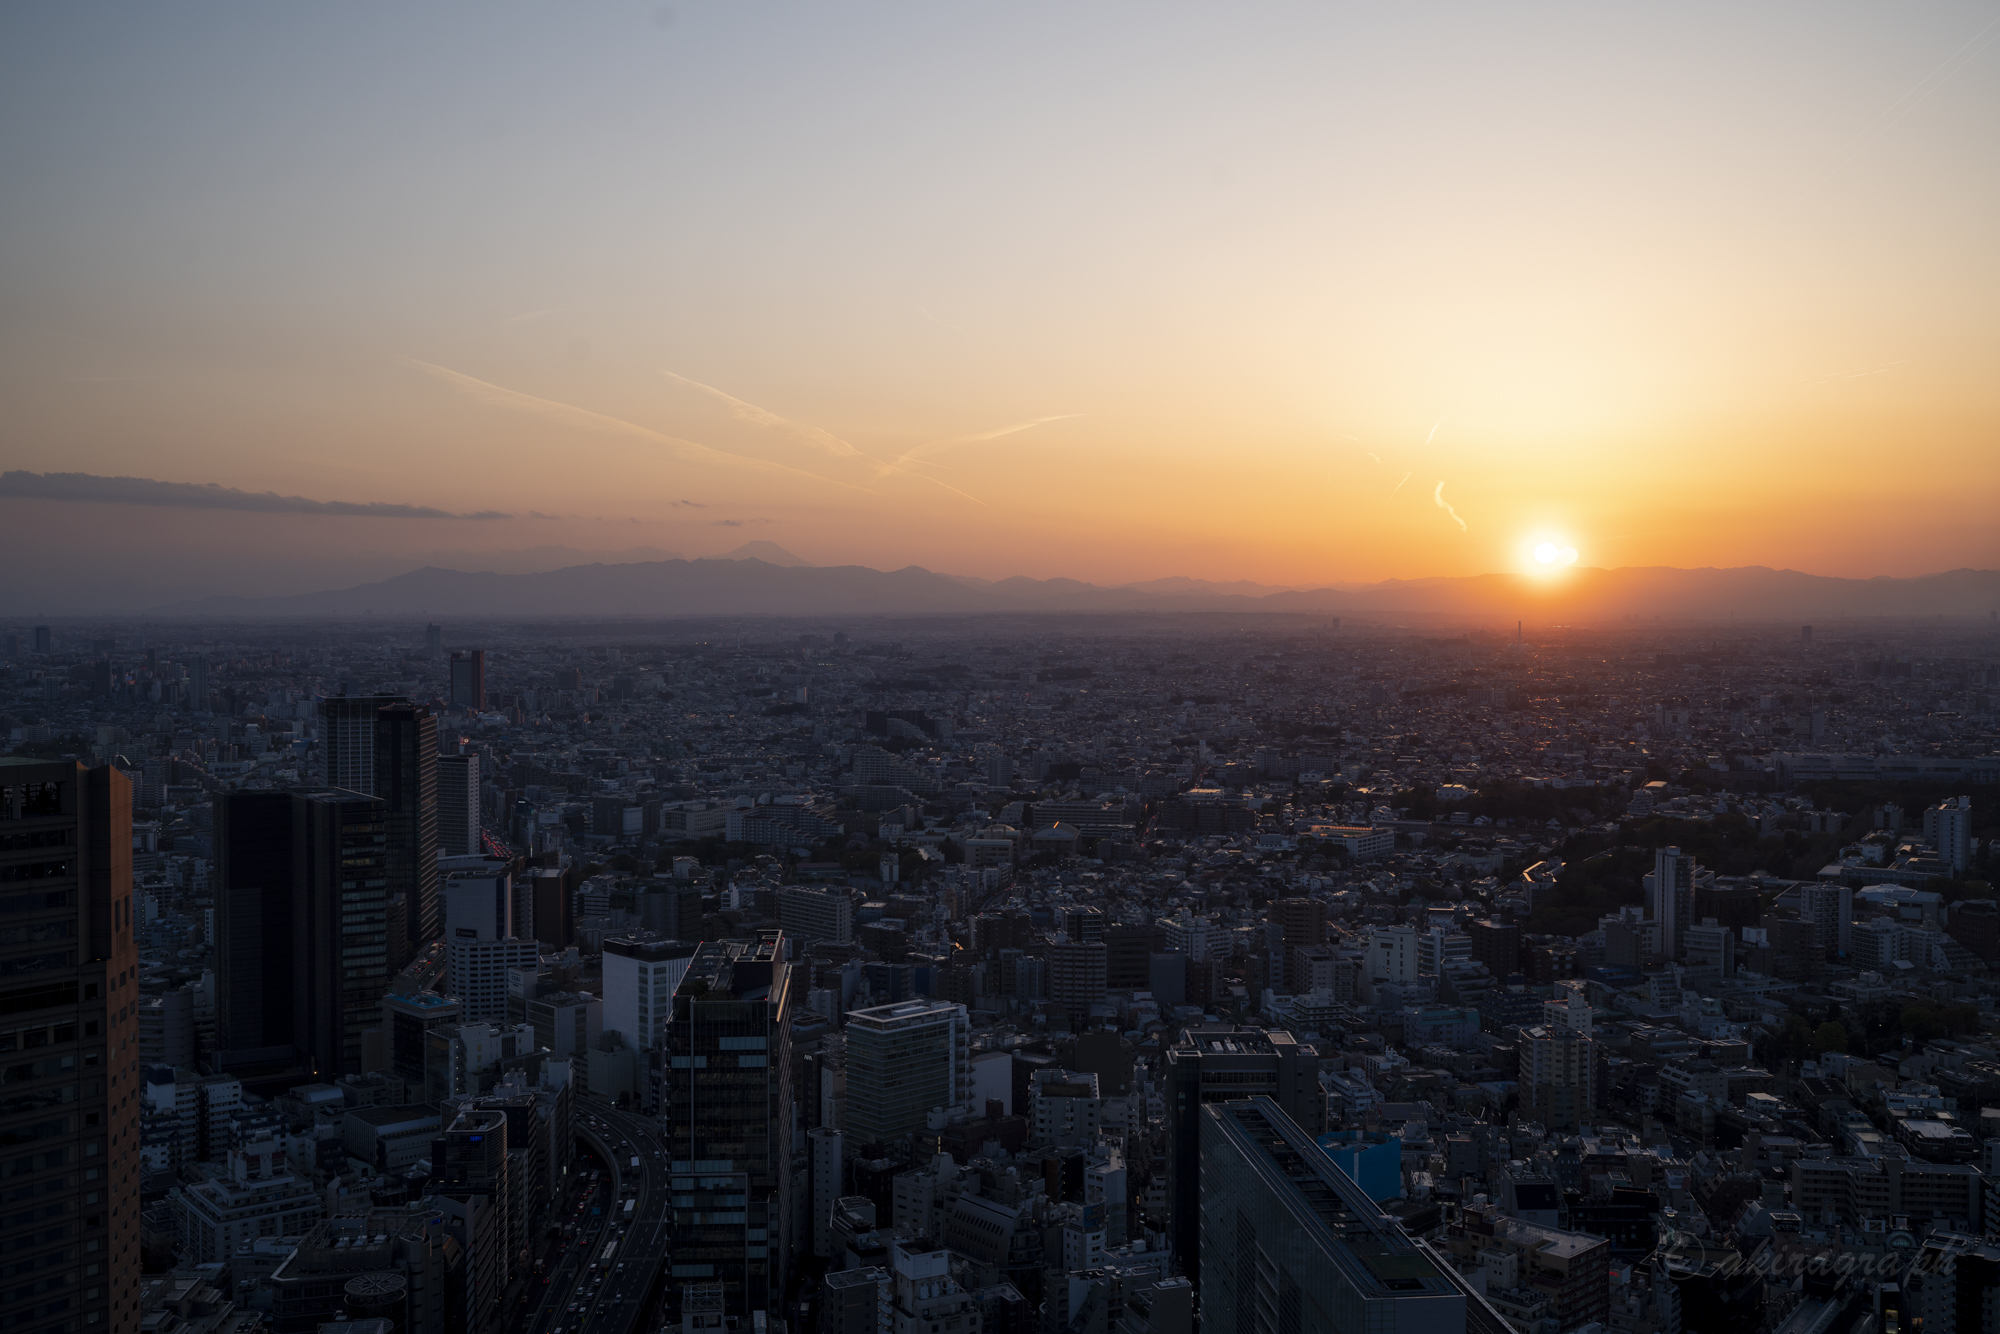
column 1552, row 555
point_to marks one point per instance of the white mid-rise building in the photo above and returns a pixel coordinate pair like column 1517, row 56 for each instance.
column 479, row 943
column 639, row 980
column 259, row 1197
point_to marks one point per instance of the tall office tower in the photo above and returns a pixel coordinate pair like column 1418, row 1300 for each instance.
column 1077, row 973
column 254, row 920
column 197, row 674
column 44, row 642
column 340, row 933
column 71, row 1123
column 826, row 1182
column 406, row 778
column 471, row 1181
column 1948, row 829
column 1670, row 887
column 640, row 975
column 554, row 910
column 1291, row 1243
column 468, row 680
column 1805, row 635
column 479, row 944
column 1215, row 1065
column 1303, row 920
column 727, row 1101
column 458, row 806
column 1831, row 908
column 406, row 1025
column 433, row 641
column 1497, row 945
column 1558, row 1078
column 999, row 770
column 902, row 1060
column 385, row 746
column 813, row 913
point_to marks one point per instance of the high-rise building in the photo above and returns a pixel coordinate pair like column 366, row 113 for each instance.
column 1497, row 945
column 1670, row 891
column 814, row 913
column 1290, row 1243
column 1558, row 1077
column 406, row 1025
column 44, row 642
column 1077, row 974
column 1948, row 829
column 640, row 975
column 1831, row 909
column 1711, row 951
column 480, row 945
column 458, row 805
column 254, row 920
column 340, row 936
column 903, row 1060
column 385, row 746
column 1217, row 1065
column 71, row 1122
column 1302, row 920
column 197, row 674
column 470, row 1174
column 727, row 1102
column 433, row 641
column 468, row 680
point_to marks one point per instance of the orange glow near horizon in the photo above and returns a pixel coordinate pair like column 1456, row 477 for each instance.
column 1496, row 283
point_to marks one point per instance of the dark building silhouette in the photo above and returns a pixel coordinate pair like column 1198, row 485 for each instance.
column 254, row 920
column 385, row 746
column 70, row 1122
column 1224, row 1064
column 468, row 680
column 340, row 938
column 727, row 1095
column 1497, row 945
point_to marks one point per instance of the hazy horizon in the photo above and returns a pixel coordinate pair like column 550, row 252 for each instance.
column 1285, row 295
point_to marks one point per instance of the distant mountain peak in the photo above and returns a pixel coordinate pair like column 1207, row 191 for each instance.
column 768, row 552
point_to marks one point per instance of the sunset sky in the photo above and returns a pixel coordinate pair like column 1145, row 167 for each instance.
column 1289, row 293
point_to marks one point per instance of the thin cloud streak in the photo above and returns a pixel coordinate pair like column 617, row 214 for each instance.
column 756, row 416
column 980, row 437
column 91, row 488
column 567, row 414
column 1445, row 505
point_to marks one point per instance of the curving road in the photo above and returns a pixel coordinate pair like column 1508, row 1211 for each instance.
column 585, row 1294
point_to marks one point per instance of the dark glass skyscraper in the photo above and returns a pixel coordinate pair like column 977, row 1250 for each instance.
column 340, row 937
column 727, row 1099
column 254, row 920
column 468, row 680
column 386, row 746
column 69, row 1038
column 1290, row 1245
column 303, row 949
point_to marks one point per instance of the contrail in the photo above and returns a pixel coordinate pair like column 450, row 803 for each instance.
column 1398, row 486
column 982, row 436
column 1438, row 496
column 1434, row 430
column 570, row 415
column 1377, row 457
column 756, row 416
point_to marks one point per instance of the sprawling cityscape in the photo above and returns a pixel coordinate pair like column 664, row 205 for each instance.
column 1143, row 667
column 1104, row 974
